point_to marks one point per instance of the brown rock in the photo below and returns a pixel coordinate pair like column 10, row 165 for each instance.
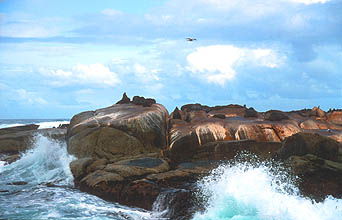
column 79, row 168
column 301, row 144
column 141, row 193
column 335, row 117
column 118, row 131
column 318, row 112
column 311, row 124
column 257, row 132
column 319, row 177
column 274, row 115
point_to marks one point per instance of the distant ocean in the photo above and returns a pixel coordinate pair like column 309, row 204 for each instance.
column 43, row 123
column 234, row 192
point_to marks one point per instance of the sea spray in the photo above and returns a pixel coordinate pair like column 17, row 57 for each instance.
column 46, row 190
column 47, row 161
column 257, row 190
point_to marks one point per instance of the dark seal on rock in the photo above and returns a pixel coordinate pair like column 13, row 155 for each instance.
column 139, row 100
column 250, row 113
column 176, row 114
column 124, row 99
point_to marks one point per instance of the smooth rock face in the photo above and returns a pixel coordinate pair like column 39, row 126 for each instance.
column 118, row 131
column 134, row 153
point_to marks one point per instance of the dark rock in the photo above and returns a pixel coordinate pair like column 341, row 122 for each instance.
column 18, row 183
column 175, row 204
column 193, row 107
column 12, row 130
column 301, row 144
column 63, row 126
column 250, row 113
column 274, row 115
column 318, row 177
column 221, row 116
column 139, row 100
column 49, row 184
column 141, row 193
column 10, row 158
column 124, row 99
column 176, row 114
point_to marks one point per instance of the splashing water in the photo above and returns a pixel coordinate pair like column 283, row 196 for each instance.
column 246, row 191
column 48, row 161
column 46, row 189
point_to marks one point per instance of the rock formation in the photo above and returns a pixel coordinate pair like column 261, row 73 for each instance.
column 135, row 153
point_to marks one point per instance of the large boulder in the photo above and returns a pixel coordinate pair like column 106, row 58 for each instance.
column 301, row 144
column 318, row 177
column 335, row 117
column 118, row 131
column 121, row 181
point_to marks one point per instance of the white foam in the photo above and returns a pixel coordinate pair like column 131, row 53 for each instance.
column 47, row 161
column 246, row 192
column 51, row 124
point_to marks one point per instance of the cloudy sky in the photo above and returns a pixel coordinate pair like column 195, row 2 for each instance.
column 61, row 57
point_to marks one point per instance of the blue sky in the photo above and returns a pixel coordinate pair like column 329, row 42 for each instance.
column 58, row 58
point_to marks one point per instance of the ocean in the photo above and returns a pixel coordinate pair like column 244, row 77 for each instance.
column 40, row 186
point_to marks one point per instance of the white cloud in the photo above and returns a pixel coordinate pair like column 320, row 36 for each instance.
column 216, row 63
column 30, row 97
column 93, row 74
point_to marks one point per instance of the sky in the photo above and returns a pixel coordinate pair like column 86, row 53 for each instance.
column 62, row 57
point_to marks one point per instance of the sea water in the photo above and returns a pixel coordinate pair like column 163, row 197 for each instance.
column 43, row 123
column 40, row 186
column 260, row 191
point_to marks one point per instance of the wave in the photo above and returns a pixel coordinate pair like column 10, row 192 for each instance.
column 47, row 161
column 40, row 186
column 249, row 191
column 49, row 123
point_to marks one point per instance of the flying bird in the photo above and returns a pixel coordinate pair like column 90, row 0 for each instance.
column 190, row 39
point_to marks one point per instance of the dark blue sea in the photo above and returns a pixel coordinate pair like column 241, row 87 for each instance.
column 236, row 192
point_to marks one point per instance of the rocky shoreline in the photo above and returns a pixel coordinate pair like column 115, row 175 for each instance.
column 137, row 154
